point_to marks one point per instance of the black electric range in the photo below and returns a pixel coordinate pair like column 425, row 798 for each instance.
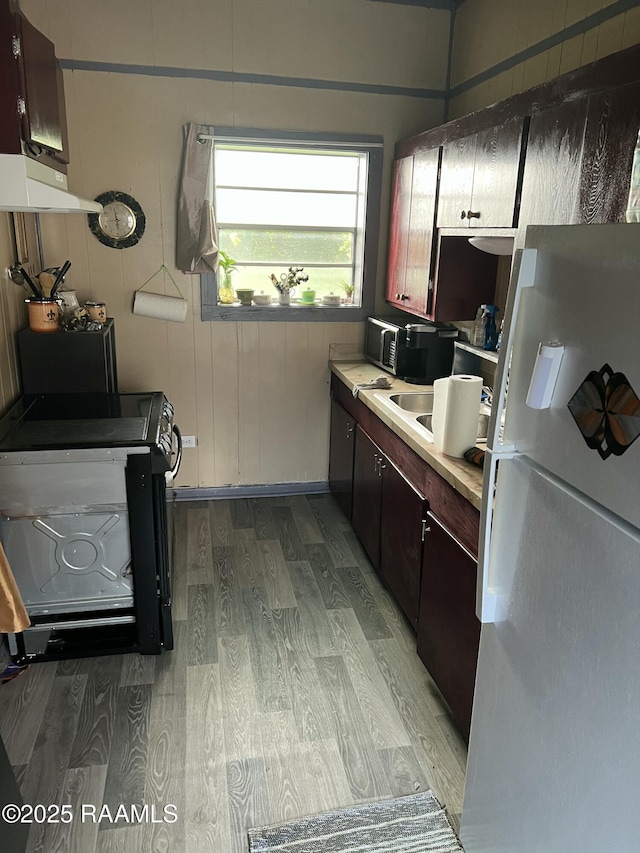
column 83, row 519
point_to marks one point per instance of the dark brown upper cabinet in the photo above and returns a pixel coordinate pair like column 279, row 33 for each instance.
column 410, row 279
column 480, row 178
column 33, row 116
column 611, row 134
column 399, row 218
column 551, row 182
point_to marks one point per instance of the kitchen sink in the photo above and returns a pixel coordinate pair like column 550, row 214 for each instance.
column 414, row 401
column 483, row 424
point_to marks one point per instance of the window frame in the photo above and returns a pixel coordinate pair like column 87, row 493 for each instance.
column 211, row 310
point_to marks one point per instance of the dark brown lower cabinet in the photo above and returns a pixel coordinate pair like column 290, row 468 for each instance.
column 389, row 516
column 367, row 495
column 403, row 516
column 448, row 628
column 341, row 457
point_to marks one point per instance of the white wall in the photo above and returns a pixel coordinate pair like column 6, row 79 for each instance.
column 488, row 32
column 255, row 394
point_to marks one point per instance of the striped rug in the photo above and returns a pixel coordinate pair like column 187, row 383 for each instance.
column 412, row 824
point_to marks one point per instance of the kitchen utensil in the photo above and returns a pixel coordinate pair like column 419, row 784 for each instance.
column 19, row 276
column 46, row 284
column 60, row 277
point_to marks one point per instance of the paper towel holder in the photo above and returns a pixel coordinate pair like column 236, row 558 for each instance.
column 158, row 305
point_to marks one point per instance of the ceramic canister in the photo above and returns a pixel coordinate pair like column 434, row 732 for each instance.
column 97, row 311
column 44, row 315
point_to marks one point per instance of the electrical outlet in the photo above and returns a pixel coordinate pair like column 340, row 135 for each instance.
column 189, row 441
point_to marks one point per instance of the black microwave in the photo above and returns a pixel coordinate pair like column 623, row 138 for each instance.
column 417, row 352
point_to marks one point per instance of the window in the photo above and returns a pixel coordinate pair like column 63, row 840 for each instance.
column 297, row 201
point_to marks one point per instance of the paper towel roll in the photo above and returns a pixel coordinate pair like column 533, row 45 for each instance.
column 159, row 306
column 456, row 407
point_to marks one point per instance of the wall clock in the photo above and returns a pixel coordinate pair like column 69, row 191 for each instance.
column 121, row 224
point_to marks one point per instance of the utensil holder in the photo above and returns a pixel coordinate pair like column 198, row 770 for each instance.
column 44, row 315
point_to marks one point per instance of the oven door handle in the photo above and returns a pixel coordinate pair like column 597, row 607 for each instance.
column 173, row 473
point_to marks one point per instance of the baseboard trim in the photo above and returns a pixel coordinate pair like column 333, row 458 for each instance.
column 260, row 490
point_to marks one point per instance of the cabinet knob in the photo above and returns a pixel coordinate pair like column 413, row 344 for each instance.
column 350, row 429
column 404, row 296
column 473, row 214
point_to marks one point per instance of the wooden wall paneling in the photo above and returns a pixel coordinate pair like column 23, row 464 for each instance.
column 13, row 316
column 421, row 230
column 399, row 222
column 225, row 360
column 551, row 181
column 296, row 452
column 270, row 405
column 203, row 391
column 249, row 420
column 610, row 139
column 316, row 414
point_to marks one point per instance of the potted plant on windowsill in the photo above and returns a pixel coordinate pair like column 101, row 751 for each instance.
column 349, row 289
column 226, row 293
column 287, row 283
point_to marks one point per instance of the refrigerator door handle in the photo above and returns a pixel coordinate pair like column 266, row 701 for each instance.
column 524, row 275
column 487, row 594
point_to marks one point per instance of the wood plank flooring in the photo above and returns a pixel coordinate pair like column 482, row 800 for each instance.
column 294, row 687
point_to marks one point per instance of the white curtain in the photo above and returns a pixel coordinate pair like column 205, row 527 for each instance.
column 197, row 237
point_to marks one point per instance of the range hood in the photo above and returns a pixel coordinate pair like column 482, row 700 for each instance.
column 27, row 185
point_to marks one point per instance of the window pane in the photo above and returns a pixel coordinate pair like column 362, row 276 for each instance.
column 286, row 208
column 308, row 171
column 323, row 280
column 295, row 248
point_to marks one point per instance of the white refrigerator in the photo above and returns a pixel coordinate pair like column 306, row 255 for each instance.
column 554, row 750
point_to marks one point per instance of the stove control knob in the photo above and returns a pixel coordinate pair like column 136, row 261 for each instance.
column 165, row 442
column 167, row 409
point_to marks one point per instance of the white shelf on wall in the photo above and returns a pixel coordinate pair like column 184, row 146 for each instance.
column 487, row 355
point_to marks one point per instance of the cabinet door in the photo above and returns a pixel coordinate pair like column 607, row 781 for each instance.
column 448, row 629
column 44, row 121
column 341, row 457
column 367, row 492
column 421, row 231
column 399, row 228
column 551, row 182
column 403, row 511
column 610, row 140
column 496, row 176
column 456, row 182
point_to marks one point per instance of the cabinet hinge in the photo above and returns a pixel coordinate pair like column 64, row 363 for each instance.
column 22, row 105
column 16, row 47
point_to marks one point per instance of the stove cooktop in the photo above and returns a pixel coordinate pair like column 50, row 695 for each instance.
column 62, row 421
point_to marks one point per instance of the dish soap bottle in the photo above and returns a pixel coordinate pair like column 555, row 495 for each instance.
column 477, row 338
column 490, row 330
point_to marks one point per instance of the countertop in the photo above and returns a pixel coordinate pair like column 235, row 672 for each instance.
column 464, row 477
